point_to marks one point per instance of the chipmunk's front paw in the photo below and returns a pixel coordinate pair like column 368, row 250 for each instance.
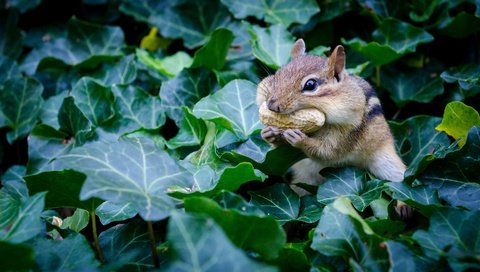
column 295, row 137
column 404, row 211
column 272, row 135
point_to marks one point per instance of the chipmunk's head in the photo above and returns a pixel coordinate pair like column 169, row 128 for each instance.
column 310, row 81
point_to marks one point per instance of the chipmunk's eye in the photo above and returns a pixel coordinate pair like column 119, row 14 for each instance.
column 310, row 85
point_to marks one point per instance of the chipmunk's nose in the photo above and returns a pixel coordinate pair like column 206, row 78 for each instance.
column 272, row 104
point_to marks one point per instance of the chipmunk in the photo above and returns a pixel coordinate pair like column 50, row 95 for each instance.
column 355, row 132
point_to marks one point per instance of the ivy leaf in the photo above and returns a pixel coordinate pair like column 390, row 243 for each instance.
column 404, row 259
column 457, row 120
column 184, row 90
column 231, row 201
column 392, row 39
column 349, row 182
column 250, row 232
column 452, row 233
column 417, row 139
column 240, row 48
column 456, row 176
column 23, row 217
column 193, row 238
column 77, row 222
column 422, row 10
column 342, row 232
column 86, row 45
column 126, row 246
column 232, row 107
column 279, row 201
column 137, row 109
column 16, row 257
column 13, row 183
column 213, row 54
column 109, row 212
column 169, row 66
column 9, row 69
column 416, row 86
column 71, row 120
column 461, row 26
column 61, row 193
column 274, row 12
column 93, row 100
column 192, row 131
column 271, row 45
column 467, row 76
column 192, row 21
column 12, row 37
column 24, row 5
column 73, row 252
column 420, row 194
column 20, row 104
column 119, row 72
column 129, row 171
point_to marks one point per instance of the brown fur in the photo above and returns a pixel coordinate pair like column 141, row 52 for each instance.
column 355, row 131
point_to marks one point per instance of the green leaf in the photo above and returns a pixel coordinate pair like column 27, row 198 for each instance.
column 169, row 66
column 240, row 48
column 231, row 201
column 292, row 259
column 86, row 45
column 392, row 39
column 271, row 45
column 16, row 257
column 109, row 212
column 232, row 107
column 420, row 194
column 200, row 245
column 77, row 222
column 404, row 259
column 213, row 54
column 456, row 176
column 279, row 201
column 120, row 72
column 237, row 69
column 129, row 171
column 93, row 100
column 422, row 10
column 184, row 90
column 274, row 11
column 9, row 69
column 457, row 120
column 126, row 246
column 71, row 253
column 461, row 26
column 467, row 76
column 349, row 182
column 12, row 37
column 71, row 120
column 416, row 85
column 20, row 103
column 61, row 193
column 136, row 109
column 416, row 138
column 310, row 209
column 342, row 232
column 48, row 114
column 13, row 183
column 21, row 221
column 24, row 5
column 192, row 21
column 452, row 233
column 192, row 131
column 250, row 232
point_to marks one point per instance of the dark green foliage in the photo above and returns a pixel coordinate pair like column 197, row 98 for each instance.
column 168, row 137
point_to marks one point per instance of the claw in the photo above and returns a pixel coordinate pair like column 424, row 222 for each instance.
column 294, row 136
column 404, row 211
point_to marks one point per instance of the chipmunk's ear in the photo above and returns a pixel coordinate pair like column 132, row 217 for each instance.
column 298, row 48
column 336, row 63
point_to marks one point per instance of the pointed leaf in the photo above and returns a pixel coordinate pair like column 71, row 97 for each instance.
column 13, row 183
column 467, row 76
column 457, row 120
column 188, row 87
column 232, row 107
column 16, row 257
column 420, row 194
column 200, row 245
column 232, row 201
column 20, row 103
column 213, row 54
column 9, row 69
column 109, row 212
column 61, row 193
column 130, row 171
column 275, row 11
column 94, row 100
column 279, row 201
column 120, row 72
column 404, row 259
column 77, row 222
column 259, row 234
column 271, row 45
column 192, row 131
column 12, row 37
column 169, row 66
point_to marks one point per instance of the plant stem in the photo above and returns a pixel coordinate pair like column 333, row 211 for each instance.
column 95, row 236
column 153, row 247
column 377, row 75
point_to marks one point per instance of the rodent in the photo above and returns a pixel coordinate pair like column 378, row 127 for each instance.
column 355, row 132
